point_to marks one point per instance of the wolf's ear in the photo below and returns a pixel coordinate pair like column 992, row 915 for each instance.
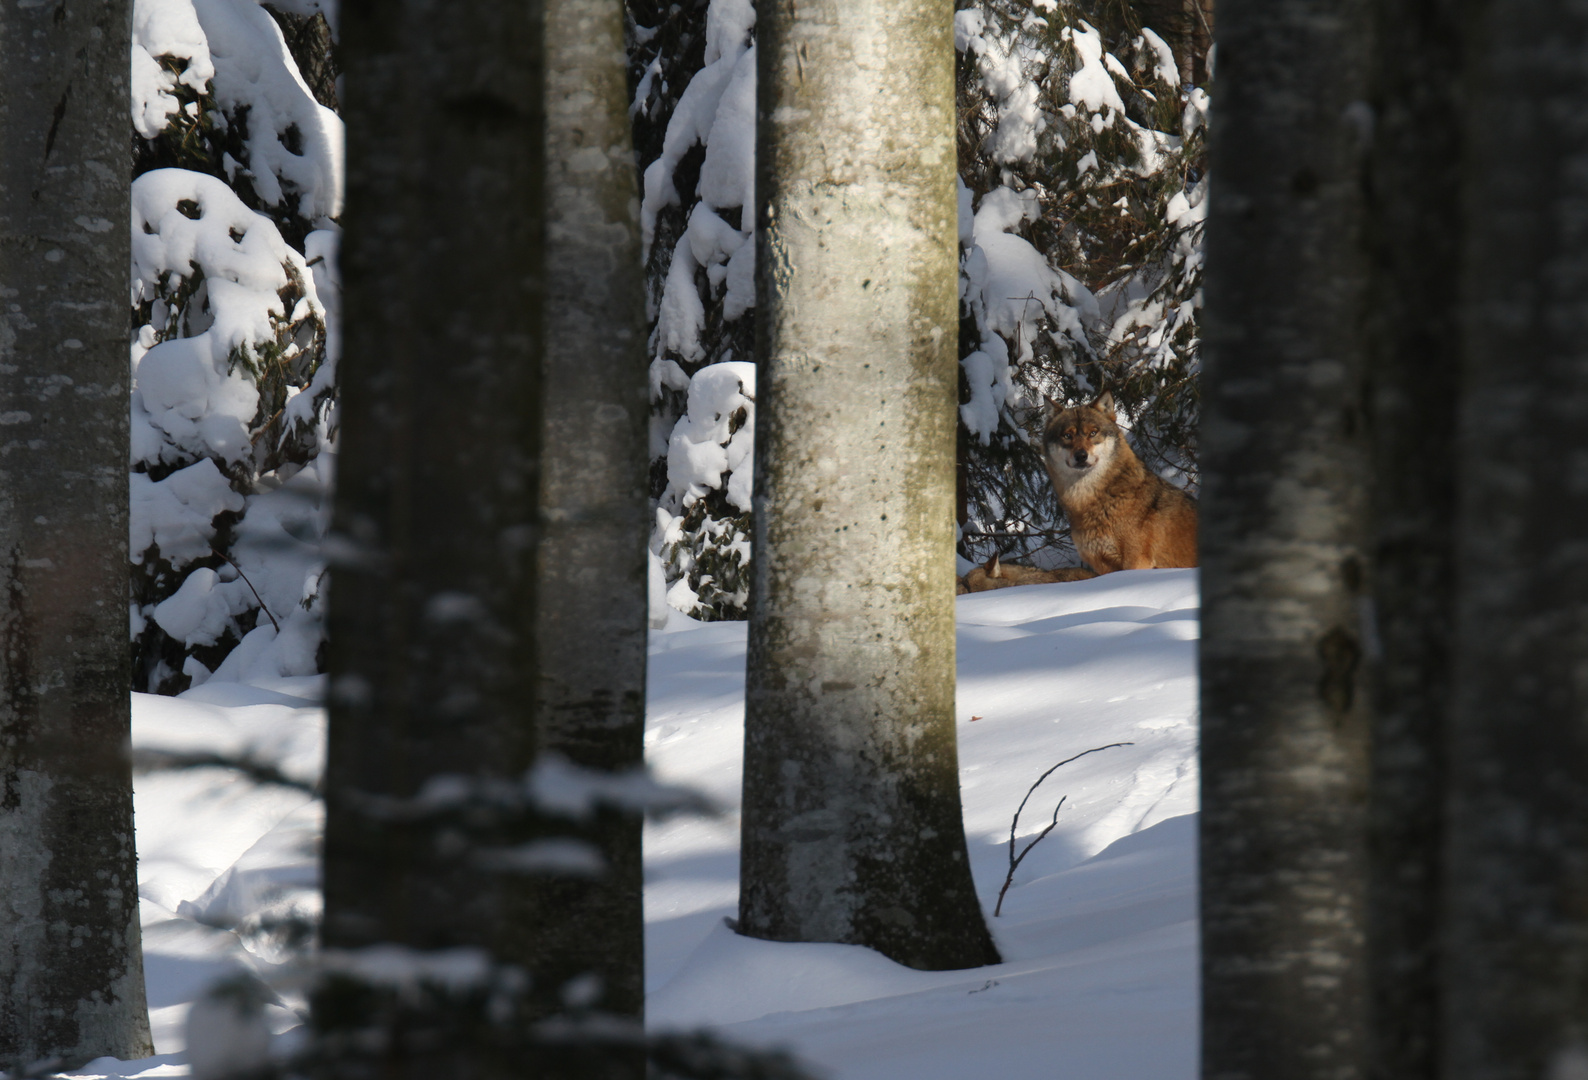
column 993, row 567
column 1105, row 404
column 1053, row 407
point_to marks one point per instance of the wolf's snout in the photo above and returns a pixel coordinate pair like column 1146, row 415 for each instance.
column 1079, row 457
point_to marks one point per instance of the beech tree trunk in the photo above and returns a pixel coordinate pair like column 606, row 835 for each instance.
column 432, row 660
column 1414, row 333
column 71, row 966
column 1284, row 511
column 1516, row 872
column 595, row 515
column 444, row 651
column 851, row 822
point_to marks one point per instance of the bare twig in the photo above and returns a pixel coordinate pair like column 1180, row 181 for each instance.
column 1016, row 535
column 250, row 585
column 1016, row 860
column 255, row 769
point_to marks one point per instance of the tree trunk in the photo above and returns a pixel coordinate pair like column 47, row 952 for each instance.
column 1414, row 334
column 592, row 578
column 71, row 966
column 851, row 828
column 437, row 667
column 432, row 655
column 1516, row 873
column 1284, row 722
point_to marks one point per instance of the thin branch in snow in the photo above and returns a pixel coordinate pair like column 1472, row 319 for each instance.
column 1016, row 860
column 250, row 585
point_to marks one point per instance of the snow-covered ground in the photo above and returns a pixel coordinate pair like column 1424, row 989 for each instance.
column 1098, row 930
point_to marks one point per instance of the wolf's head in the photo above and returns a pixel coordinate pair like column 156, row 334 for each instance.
column 1081, row 439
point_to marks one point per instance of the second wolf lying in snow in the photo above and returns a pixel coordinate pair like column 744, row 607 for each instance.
column 1123, row 516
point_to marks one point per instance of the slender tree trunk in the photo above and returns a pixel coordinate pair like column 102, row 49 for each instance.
column 1414, row 332
column 1284, row 724
column 438, row 670
column 71, row 967
column 851, row 829
column 592, row 587
column 432, row 623
column 1516, row 871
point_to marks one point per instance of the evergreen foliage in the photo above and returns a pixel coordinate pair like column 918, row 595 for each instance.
column 1077, row 112
column 237, row 182
column 693, row 73
column 1083, row 162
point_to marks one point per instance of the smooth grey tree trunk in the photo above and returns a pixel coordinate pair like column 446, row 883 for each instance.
column 437, row 670
column 851, row 829
column 1414, row 199
column 432, row 660
column 1284, row 511
column 592, row 588
column 71, row 966
column 1516, row 855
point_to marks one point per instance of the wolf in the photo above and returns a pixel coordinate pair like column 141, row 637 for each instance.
column 1122, row 515
column 997, row 574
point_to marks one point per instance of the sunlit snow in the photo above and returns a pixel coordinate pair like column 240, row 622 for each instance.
column 1098, row 931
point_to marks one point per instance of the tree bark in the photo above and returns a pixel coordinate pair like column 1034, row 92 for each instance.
column 592, row 573
column 1414, row 328
column 1284, row 507
column 432, row 655
column 1516, row 854
column 851, row 829
column 438, row 664
column 71, row 965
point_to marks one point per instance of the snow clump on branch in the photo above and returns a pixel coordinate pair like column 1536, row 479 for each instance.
column 238, row 179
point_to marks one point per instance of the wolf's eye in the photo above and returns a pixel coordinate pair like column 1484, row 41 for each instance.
column 1091, row 433
column 1069, row 433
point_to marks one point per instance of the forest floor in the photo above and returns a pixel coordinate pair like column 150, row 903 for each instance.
column 1098, row 931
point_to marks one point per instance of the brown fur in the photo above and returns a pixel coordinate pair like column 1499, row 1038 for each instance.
column 1122, row 515
column 997, row 574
